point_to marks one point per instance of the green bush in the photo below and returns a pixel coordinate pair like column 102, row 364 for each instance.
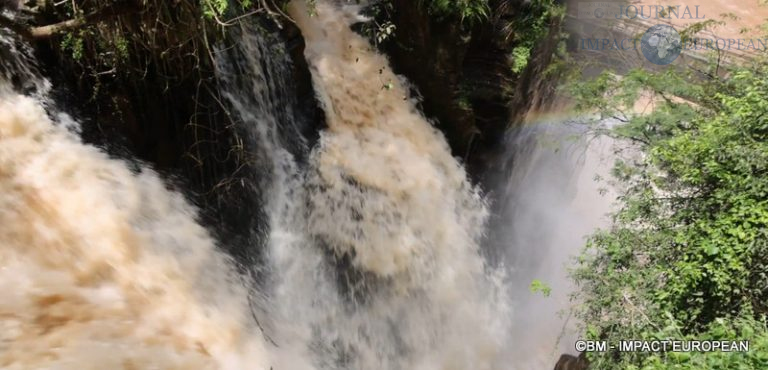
column 738, row 329
column 690, row 243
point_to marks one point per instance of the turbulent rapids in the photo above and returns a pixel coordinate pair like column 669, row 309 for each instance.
column 103, row 268
column 372, row 258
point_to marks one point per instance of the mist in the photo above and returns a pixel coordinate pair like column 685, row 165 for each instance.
column 551, row 197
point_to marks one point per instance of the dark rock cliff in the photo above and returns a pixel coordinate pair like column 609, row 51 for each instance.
column 144, row 87
column 465, row 72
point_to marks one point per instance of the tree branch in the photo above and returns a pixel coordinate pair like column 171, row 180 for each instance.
column 44, row 32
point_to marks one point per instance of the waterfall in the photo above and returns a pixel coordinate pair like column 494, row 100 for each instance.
column 104, row 267
column 17, row 66
column 551, row 196
column 380, row 266
column 254, row 79
column 366, row 250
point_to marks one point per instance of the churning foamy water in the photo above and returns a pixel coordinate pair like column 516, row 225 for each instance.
column 371, row 259
column 384, row 270
column 372, row 256
column 103, row 268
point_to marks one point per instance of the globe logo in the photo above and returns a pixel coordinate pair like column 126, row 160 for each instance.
column 661, row 44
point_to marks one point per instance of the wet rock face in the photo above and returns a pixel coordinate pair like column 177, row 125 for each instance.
column 569, row 362
column 302, row 82
column 465, row 76
column 161, row 105
column 431, row 55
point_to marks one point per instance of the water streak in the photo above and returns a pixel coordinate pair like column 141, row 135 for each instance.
column 387, row 273
column 367, row 247
column 104, row 268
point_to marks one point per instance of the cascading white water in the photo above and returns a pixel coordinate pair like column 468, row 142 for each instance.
column 372, row 256
column 382, row 270
column 17, row 65
column 103, row 268
column 548, row 202
column 109, row 269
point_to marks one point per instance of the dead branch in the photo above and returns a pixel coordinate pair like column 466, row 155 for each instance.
column 101, row 15
column 44, row 32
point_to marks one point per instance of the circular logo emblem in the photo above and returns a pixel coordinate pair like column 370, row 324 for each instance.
column 599, row 13
column 661, row 44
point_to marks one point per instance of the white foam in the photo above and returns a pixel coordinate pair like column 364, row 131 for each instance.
column 103, row 268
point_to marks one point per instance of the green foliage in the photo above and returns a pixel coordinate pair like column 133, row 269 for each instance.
column 85, row 47
column 383, row 32
column 535, row 21
column 380, row 29
column 470, row 11
column 214, row 8
column 537, row 286
column 747, row 328
column 531, row 28
column 73, row 43
column 104, row 55
column 738, row 329
column 690, row 243
column 121, row 47
column 520, row 56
